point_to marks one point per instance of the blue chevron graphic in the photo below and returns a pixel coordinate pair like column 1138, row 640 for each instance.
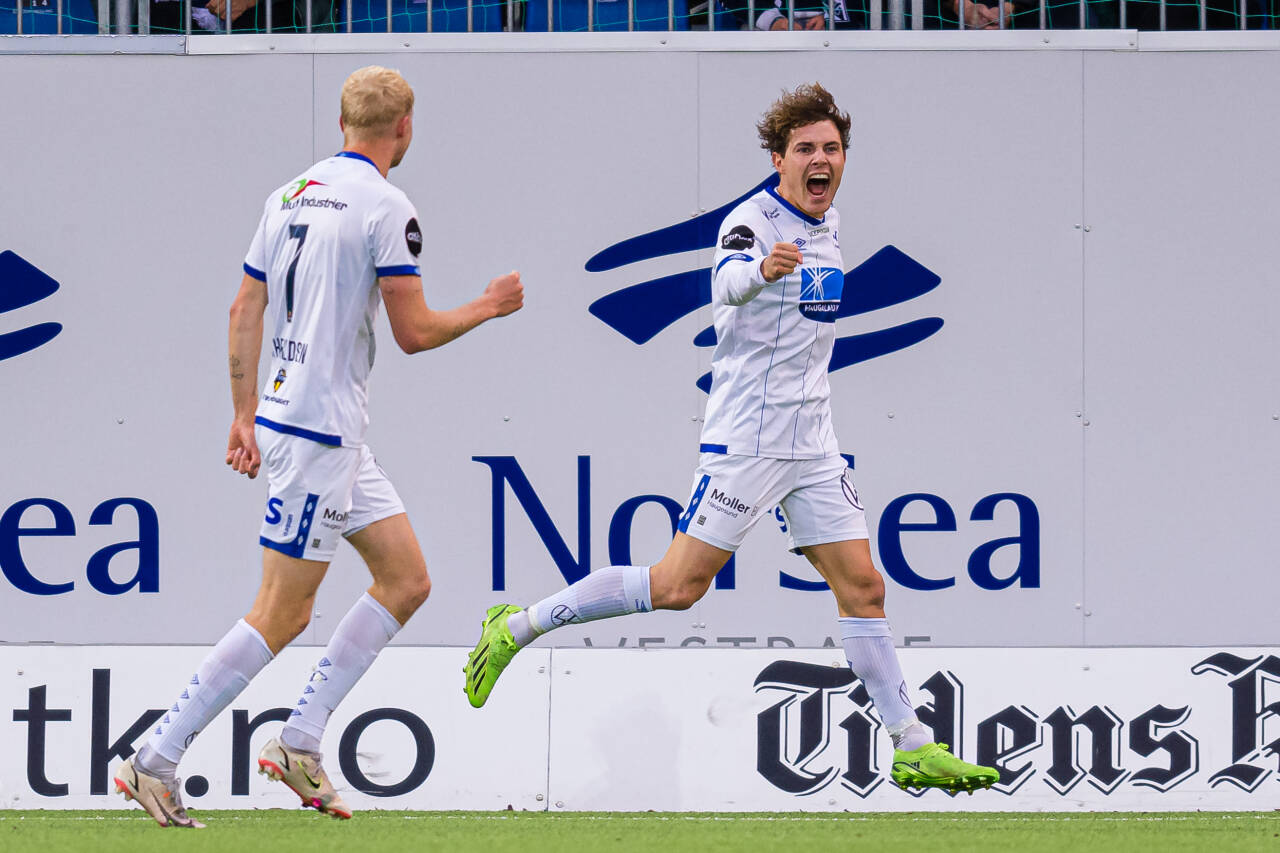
column 22, row 284
column 639, row 312
column 697, row 233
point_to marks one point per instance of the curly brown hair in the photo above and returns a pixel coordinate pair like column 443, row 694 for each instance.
column 808, row 104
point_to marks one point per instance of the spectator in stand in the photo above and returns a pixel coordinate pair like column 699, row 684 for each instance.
column 977, row 15
column 808, row 14
column 247, row 16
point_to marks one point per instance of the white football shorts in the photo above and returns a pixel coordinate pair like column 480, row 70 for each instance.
column 731, row 493
column 317, row 493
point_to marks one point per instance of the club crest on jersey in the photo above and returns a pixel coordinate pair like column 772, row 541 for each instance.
column 820, row 292
column 280, row 377
column 298, row 189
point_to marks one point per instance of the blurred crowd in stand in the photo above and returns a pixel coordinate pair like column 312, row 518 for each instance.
column 256, row 16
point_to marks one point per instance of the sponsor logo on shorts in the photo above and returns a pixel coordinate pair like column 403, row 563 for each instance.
column 273, row 511
column 728, row 504
column 332, row 519
column 279, row 380
column 288, row 524
column 850, row 492
column 270, row 399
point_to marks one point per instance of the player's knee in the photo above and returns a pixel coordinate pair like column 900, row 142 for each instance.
column 405, row 596
column 688, row 597
column 865, row 589
column 291, row 627
column 680, row 595
column 417, row 591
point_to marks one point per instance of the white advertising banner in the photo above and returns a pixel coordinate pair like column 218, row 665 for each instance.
column 717, row 729
column 1055, row 381
column 404, row 738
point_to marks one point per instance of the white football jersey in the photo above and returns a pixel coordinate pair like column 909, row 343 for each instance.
column 324, row 239
column 769, row 390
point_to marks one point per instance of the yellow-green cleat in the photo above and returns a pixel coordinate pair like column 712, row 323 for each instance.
column 491, row 655
column 933, row 766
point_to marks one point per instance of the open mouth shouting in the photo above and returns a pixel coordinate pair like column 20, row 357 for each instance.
column 818, row 186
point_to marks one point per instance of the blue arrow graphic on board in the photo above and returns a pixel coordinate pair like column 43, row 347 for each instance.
column 22, row 284
column 640, row 311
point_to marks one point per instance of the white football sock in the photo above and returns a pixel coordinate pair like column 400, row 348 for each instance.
column 227, row 670
column 611, row 591
column 521, row 631
column 359, row 637
column 868, row 646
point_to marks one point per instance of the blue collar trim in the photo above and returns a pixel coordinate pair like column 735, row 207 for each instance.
column 354, row 156
column 791, row 207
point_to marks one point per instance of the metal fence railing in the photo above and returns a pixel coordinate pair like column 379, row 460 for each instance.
column 315, row 16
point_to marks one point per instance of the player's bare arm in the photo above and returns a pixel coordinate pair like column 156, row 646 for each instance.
column 244, row 346
column 417, row 327
column 782, row 261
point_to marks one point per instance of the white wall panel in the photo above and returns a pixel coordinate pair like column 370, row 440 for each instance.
column 136, row 182
column 140, row 179
column 1182, row 307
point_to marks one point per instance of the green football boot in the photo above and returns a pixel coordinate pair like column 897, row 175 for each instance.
column 491, row 655
column 933, row 766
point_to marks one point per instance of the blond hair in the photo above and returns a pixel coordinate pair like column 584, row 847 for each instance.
column 373, row 100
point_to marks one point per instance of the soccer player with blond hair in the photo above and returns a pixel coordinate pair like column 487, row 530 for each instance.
column 767, row 440
column 332, row 244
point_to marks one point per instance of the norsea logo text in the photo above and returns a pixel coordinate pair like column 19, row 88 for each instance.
column 44, row 517
column 981, row 566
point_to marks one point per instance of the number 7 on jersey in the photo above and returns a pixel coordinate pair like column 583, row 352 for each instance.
column 299, row 233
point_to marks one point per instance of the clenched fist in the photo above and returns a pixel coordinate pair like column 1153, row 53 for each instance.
column 783, row 260
column 506, row 293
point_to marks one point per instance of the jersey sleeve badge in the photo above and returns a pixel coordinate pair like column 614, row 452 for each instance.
column 738, row 239
column 413, row 236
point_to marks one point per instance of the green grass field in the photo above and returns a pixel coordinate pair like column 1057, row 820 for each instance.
column 530, row 832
